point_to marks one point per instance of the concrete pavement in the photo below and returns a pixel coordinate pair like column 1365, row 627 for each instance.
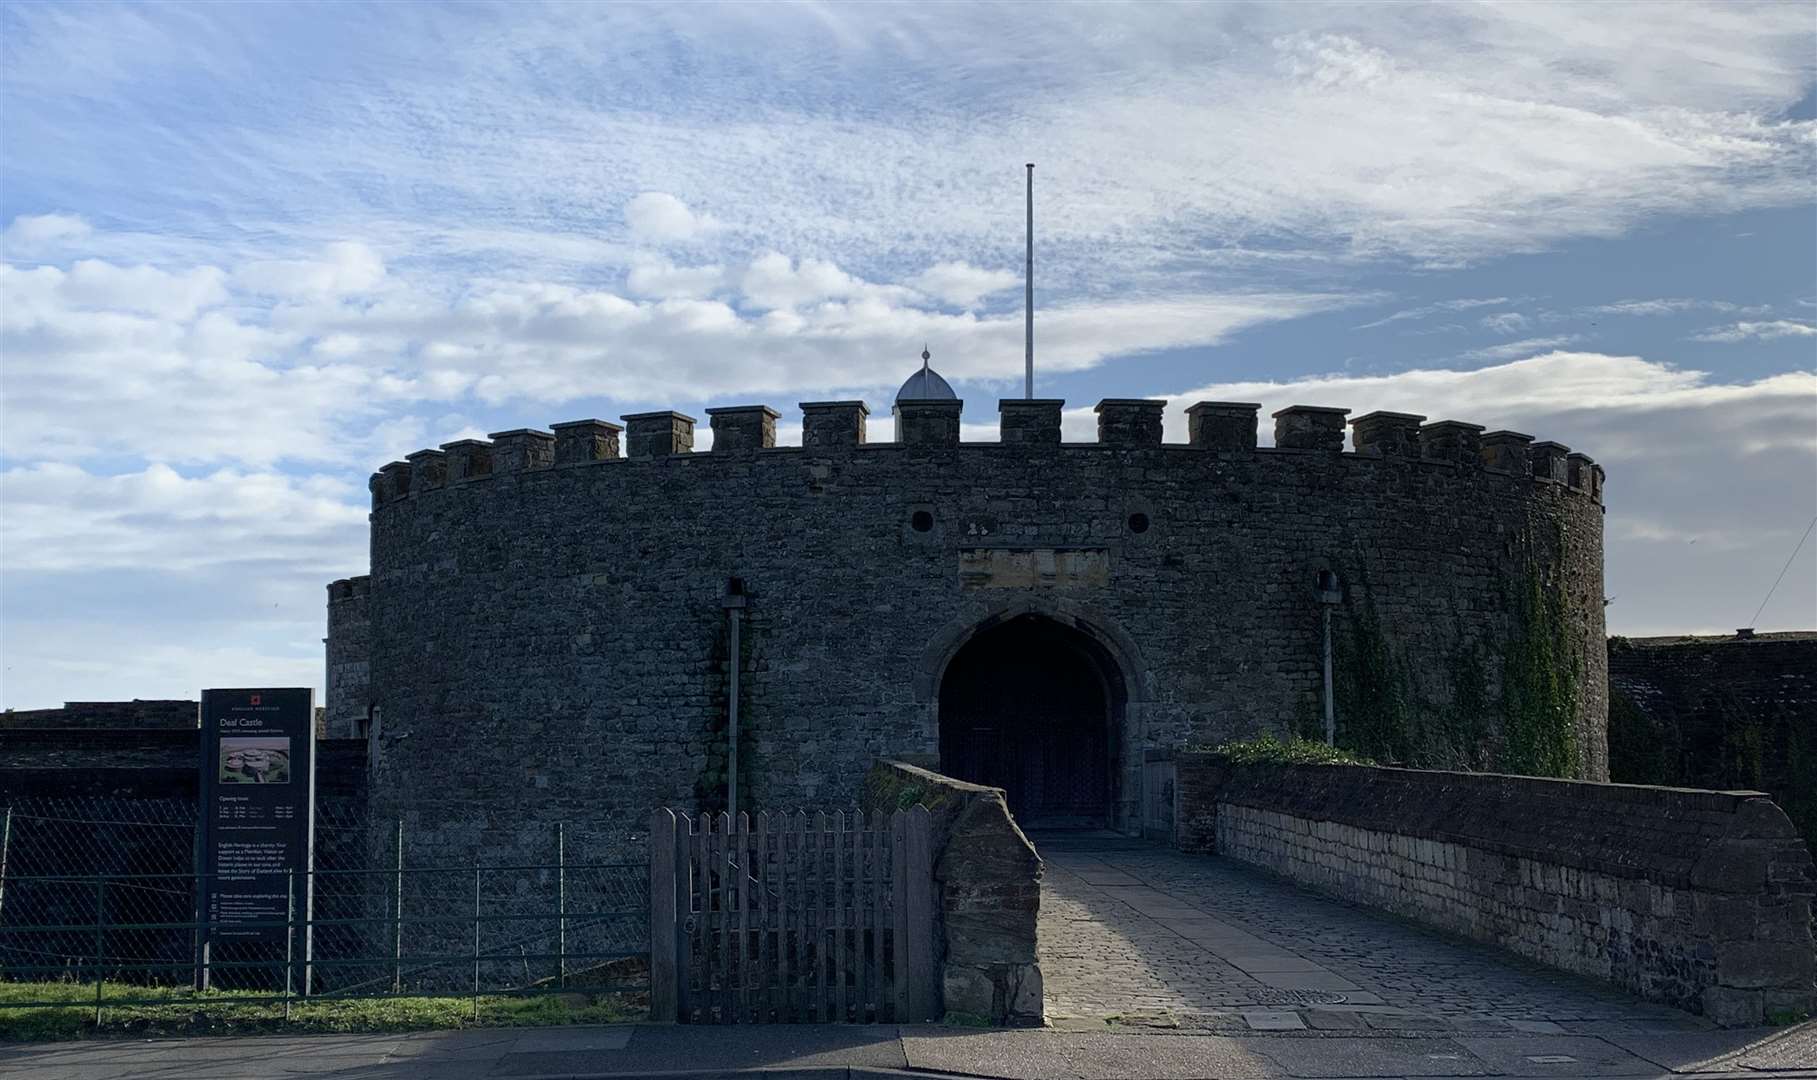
column 1595, row 1049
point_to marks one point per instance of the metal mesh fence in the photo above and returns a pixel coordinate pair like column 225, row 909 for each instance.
column 106, row 888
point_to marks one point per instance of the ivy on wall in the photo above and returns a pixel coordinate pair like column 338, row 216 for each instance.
column 1540, row 670
column 1509, row 704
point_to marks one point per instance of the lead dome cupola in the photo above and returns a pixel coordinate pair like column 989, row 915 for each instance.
column 926, row 384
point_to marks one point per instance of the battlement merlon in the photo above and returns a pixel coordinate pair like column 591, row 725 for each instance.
column 1310, row 427
column 658, row 434
column 1130, row 421
column 742, row 428
column 1222, row 425
column 1389, row 434
column 1029, row 421
column 580, row 441
column 1218, row 426
column 521, row 449
column 349, row 589
column 826, row 424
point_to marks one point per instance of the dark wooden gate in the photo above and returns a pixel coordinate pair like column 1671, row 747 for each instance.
column 792, row 918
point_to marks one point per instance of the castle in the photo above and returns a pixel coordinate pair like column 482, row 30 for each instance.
column 545, row 632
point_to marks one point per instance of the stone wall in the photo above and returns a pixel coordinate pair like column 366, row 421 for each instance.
column 347, row 692
column 990, row 892
column 1718, row 712
column 138, row 714
column 548, row 639
column 1699, row 899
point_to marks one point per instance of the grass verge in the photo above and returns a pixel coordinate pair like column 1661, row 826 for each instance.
column 140, row 1011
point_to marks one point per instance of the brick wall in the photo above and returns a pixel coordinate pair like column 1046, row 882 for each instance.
column 1699, row 899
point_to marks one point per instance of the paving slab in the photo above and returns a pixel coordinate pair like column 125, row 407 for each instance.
column 1273, row 1020
column 1343, row 1056
column 1723, row 1051
column 1305, row 980
column 1046, row 1055
column 1556, row 1055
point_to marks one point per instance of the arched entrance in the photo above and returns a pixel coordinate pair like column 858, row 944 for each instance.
column 1034, row 707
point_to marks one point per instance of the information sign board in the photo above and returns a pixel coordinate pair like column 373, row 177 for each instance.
column 256, row 837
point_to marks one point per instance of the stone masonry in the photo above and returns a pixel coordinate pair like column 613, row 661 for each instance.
column 1698, row 899
column 547, row 638
column 990, row 893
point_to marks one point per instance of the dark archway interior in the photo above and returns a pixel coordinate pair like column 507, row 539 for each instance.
column 1032, row 706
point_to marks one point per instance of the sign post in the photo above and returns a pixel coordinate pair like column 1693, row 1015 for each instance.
column 257, row 836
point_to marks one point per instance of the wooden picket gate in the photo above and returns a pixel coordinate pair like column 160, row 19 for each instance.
column 792, row 918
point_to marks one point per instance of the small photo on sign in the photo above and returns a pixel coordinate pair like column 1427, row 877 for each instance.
column 251, row 759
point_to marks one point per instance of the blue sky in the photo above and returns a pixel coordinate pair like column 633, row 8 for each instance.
column 252, row 252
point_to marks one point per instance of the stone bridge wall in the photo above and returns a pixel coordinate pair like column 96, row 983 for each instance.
column 1699, row 899
column 990, row 892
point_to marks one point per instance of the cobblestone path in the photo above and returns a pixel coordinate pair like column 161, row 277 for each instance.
column 1195, row 941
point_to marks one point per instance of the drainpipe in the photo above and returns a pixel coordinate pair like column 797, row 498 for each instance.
column 1331, row 593
column 734, row 605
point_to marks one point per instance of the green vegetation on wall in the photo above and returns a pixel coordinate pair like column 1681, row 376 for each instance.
column 1524, row 720
column 1539, row 683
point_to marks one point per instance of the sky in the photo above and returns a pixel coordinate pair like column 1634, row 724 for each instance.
column 250, row 253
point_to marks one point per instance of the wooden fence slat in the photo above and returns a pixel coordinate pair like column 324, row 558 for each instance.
column 841, row 912
column 779, row 993
column 789, row 918
column 722, row 852
column 709, row 902
column 662, row 916
column 820, row 912
column 739, row 865
column 764, row 957
column 684, row 860
column 880, row 857
column 801, row 1010
column 899, row 984
column 924, row 995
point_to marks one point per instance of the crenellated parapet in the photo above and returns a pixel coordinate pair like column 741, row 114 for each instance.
column 1217, row 428
column 351, row 589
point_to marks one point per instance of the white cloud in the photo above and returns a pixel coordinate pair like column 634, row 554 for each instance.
column 1756, row 331
column 1505, row 322
column 962, row 284
column 1674, row 306
column 342, row 269
column 1463, row 304
column 350, row 371
column 656, row 217
column 662, row 280
column 1321, row 132
column 1514, row 349
column 61, row 518
column 1732, row 466
column 92, row 285
column 32, row 234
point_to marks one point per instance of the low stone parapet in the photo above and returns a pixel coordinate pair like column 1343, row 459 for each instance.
column 1698, row 899
column 990, row 892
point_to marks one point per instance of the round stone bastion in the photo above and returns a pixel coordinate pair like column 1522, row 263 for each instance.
column 545, row 635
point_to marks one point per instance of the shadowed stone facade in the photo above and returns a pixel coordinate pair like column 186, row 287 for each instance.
column 547, row 639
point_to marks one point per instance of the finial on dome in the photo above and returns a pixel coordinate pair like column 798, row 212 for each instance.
column 926, row 384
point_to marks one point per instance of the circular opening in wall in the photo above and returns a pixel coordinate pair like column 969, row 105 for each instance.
column 921, row 521
column 1138, row 523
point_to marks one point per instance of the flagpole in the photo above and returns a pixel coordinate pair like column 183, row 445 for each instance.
column 1028, row 299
